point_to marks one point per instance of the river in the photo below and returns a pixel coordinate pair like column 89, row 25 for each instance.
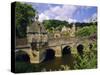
column 55, row 64
column 58, row 63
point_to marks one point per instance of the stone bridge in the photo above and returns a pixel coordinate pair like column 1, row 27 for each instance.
column 55, row 48
column 58, row 45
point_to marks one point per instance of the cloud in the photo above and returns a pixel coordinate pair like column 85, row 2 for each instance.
column 63, row 12
column 43, row 17
column 68, row 13
column 72, row 20
column 92, row 18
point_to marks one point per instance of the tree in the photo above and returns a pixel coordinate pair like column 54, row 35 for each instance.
column 24, row 14
column 88, row 61
column 87, row 30
column 56, row 24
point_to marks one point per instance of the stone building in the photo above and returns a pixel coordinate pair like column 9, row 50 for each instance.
column 64, row 29
column 37, row 40
column 57, row 34
column 65, row 32
column 73, row 29
column 68, row 32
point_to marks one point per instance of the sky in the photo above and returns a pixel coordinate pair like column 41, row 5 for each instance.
column 70, row 13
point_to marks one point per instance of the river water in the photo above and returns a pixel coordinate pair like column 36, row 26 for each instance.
column 55, row 64
column 58, row 63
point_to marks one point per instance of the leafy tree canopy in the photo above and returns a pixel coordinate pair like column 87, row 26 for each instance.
column 24, row 14
column 87, row 31
column 56, row 24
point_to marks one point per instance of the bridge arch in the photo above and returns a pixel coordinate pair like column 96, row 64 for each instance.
column 66, row 50
column 80, row 48
column 22, row 56
column 50, row 54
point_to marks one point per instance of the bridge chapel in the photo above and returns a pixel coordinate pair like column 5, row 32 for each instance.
column 37, row 39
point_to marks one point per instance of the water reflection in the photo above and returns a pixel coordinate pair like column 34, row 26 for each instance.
column 50, row 54
column 56, row 63
column 66, row 50
column 80, row 48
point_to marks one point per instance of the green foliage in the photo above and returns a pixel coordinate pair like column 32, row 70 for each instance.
column 86, row 31
column 24, row 14
column 88, row 61
column 54, row 24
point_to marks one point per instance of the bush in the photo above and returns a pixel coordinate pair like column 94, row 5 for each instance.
column 86, row 31
column 88, row 61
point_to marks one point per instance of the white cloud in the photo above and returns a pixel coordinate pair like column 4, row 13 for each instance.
column 93, row 18
column 62, row 18
column 58, row 12
column 86, row 20
column 43, row 17
column 71, row 20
